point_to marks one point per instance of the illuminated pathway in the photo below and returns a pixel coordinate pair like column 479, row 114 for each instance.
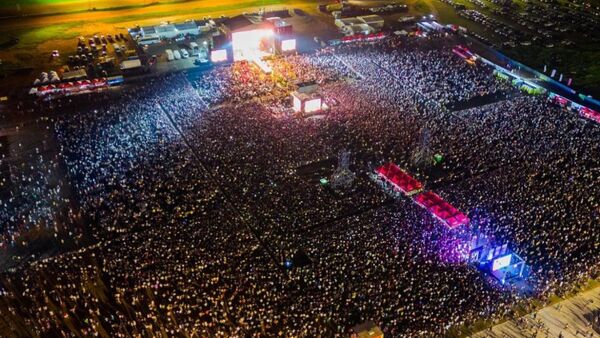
column 566, row 317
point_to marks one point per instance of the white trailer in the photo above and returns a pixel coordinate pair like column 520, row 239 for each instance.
column 170, row 56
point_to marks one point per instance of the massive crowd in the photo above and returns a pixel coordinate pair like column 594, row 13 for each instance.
column 197, row 194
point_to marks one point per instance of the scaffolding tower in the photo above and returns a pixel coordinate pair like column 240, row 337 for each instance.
column 422, row 157
column 343, row 177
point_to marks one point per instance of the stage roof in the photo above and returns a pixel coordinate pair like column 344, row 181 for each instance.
column 238, row 22
column 307, row 92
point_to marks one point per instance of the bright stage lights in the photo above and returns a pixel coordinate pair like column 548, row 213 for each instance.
column 312, row 105
column 218, row 55
column 501, row 262
column 288, row 45
column 246, row 45
column 297, row 105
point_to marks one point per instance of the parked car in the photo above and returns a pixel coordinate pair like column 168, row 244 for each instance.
column 184, row 53
column 170, row 56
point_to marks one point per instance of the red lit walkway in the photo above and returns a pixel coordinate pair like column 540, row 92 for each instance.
column 441, row 209
column 399, row 179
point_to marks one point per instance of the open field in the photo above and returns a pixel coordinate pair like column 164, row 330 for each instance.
column 37, row 7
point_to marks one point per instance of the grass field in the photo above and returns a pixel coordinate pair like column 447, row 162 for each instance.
column 45, row 7
column 37, row 7
column 36, row 36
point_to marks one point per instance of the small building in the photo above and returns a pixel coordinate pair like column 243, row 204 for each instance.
column 144, row 35
column 374, row 21
column 357, row 29
column 366, row 24
column 347, row 22
column 187, row 28
column 128, row 65
column 205, row 26
column 367, row 329
column 75, row 75
column 165, row 31
column 149, row 40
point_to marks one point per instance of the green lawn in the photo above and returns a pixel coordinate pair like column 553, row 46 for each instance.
column 580, row 63
column 13, row 3
column 202, row 10
column 32, row 37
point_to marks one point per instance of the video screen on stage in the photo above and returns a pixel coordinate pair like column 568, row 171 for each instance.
column 249, row 45
column 312, row 105
column 501, row 262
column 297, row 104
column 218, row 55
column 288, row 45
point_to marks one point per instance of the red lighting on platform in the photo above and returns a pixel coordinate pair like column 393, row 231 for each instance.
column 400, row 179
column 561, row 100
column 441, row 209
column 590, row 114
column 362, row 37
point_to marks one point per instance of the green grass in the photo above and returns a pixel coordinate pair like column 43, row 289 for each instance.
column 580, row 63
column 447, row 14
column 421, row 7
column 211, row 9
column 30, row 38
column 13, row 3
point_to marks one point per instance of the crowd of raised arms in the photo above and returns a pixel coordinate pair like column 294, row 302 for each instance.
column 192, row 187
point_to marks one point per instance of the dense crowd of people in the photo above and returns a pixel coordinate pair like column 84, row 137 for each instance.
column 33, row 195
column 197, row 193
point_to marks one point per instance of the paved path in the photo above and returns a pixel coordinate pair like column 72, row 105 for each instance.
column 552, row 320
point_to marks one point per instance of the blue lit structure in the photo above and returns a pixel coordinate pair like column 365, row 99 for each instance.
column 497, row 260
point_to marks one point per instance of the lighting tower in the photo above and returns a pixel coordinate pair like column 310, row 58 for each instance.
column 422, row 156
column 342, row 177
